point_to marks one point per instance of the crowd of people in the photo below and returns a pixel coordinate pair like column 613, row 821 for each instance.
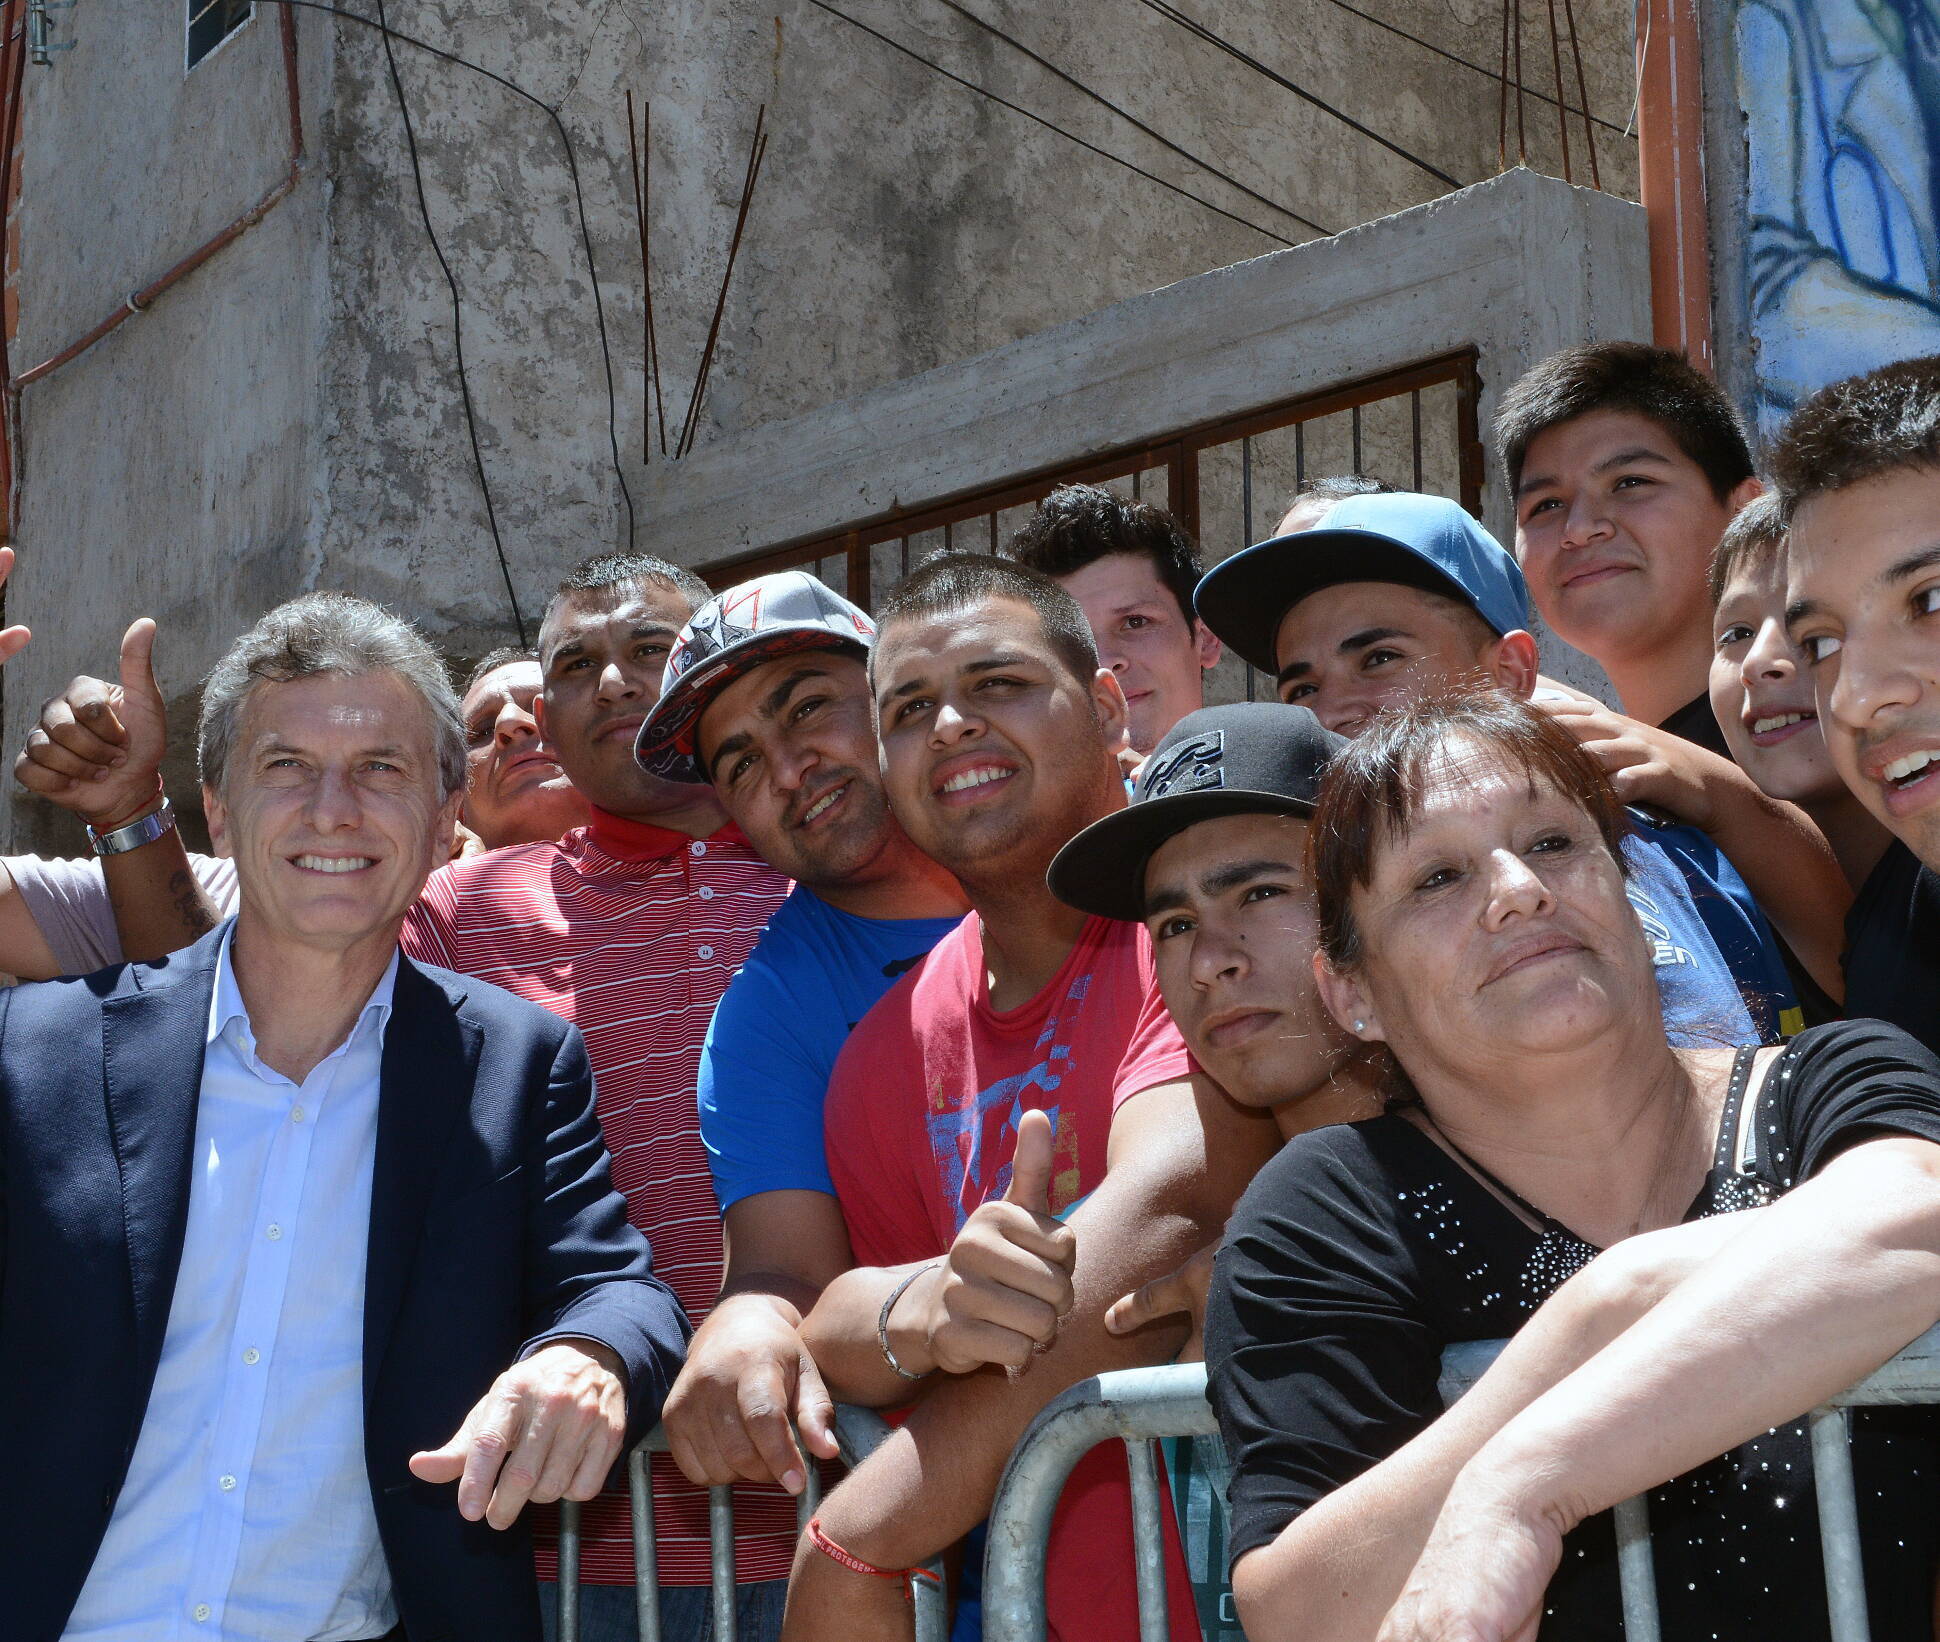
column 744, row 1003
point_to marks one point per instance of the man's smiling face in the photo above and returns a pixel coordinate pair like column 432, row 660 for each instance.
column 1614, row 529
column 331, row 805
column 994, row 753
column 790, row 746
column 1864, row 605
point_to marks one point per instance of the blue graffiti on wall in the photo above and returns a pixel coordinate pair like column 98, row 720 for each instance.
column 1842, row 105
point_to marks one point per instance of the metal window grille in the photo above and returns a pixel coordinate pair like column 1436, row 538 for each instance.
column 213, row 21
column 1226, row 481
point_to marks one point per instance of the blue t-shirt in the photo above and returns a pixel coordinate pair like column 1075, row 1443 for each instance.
column 1720, row 976
column 772, row 1044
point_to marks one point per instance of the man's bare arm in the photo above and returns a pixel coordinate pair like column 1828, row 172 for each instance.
column 97, row 753
column 1180, row 1155
column 747, row 1370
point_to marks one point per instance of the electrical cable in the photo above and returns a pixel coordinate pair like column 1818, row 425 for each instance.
column 1173, row 14
column 1463, row 62
column 579, row 201
column 457, row 330
column 1102, row 153
column 1133, row 119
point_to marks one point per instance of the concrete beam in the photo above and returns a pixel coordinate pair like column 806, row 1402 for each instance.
column 1516, row 267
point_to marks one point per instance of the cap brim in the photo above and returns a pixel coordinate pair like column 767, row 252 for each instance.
column 665, row 744
column 1102, row 870
column 1243, row 600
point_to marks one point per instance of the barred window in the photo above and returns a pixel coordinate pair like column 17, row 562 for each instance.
column 213, row 21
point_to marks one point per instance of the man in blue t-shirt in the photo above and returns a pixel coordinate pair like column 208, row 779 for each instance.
column 1393, row 597
column 767, row 698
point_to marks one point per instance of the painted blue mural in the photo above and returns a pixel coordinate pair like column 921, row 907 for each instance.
column 1842, row 260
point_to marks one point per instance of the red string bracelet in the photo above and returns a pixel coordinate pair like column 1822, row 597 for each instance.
column 856, row 1565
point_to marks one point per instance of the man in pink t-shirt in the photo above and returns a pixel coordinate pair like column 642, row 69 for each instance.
column 999, row 734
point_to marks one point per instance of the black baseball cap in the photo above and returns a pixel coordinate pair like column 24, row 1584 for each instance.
column 1250, row 758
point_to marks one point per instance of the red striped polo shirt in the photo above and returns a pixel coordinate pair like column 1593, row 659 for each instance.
column 632, row 933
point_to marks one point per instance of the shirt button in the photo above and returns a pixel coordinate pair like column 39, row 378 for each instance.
column 225, row 1483
column 252, row 1356
column 705, row 893
column 274, row 1232
column 697, row 848
column 200, row 1610
column 707, row 952
column 296, row 1114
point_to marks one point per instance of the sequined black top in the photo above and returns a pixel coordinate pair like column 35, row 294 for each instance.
column 1363, row 1250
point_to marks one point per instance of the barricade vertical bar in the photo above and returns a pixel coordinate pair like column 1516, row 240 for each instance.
column 1636, row 1573
column 1845, row 1578
column 646, row 1560
column 720, row 1541
column 569, row 1570
column 1148, row 1540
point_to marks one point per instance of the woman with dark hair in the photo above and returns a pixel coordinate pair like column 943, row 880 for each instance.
column 1473, row 920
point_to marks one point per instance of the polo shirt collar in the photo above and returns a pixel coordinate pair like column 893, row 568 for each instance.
column 627, row 840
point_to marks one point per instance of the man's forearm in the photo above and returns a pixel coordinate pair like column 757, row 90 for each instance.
column 933, row 1479
column 840, row 1333
column 159, row 904
column 1791, row 872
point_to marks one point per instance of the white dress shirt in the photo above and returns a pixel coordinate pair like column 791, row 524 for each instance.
column 247, row 1513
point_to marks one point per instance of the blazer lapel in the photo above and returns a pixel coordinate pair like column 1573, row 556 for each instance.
column 152, row 1046
column 429, row 1068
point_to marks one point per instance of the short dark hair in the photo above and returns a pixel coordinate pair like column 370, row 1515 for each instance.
column 1754, row 536
column 493, row 660
column 1337, row 487
column 1858, row 429
column 1658, row 383
column 1374, row 786
column 606, row 570
column 949, row 582
column 1077, row 525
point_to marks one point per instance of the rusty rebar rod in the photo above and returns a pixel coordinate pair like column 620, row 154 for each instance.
column 1582, row 92
column 756, row 149
column 652, row 408
column 1562, row 108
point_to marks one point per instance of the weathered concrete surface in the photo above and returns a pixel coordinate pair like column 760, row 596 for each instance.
column 288, row 416
column 171, row 470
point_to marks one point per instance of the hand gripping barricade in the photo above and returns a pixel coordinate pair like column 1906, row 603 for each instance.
column 1138, row 1406
column 857, row 1433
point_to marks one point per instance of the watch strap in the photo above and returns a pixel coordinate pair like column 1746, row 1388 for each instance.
column 136, row 833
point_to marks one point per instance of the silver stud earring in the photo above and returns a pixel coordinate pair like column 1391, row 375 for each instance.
column 1360, row 1026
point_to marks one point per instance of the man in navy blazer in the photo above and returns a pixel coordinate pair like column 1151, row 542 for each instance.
column 294, row 1233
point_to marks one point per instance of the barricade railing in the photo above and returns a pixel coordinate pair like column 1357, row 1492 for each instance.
column 1140, row 1406
column 858, row 1432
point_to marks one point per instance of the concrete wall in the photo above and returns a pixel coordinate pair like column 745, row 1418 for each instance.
column 288, row 416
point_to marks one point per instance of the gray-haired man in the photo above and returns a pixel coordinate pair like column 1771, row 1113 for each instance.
column 309, row 1231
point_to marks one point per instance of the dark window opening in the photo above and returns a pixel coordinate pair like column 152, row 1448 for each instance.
column 213, row 21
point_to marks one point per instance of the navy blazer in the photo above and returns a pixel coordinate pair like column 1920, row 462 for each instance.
column 493, row 1225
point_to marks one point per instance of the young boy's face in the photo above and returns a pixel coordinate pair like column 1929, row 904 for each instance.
column 1863, row 595
column 1614, row 530
column 1761, row 689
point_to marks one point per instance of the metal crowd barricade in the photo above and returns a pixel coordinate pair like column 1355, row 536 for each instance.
column 857, row 1433
column 1139, row 1406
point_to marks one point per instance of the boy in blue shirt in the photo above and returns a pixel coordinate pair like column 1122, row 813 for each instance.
column 767, row 699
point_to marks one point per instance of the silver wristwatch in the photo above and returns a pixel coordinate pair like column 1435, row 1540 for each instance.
column 136, row 833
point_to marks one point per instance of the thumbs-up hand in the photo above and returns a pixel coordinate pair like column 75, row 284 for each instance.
column 98, row 748
column 1006, row 1284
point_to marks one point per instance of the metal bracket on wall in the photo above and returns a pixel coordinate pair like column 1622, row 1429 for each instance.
column 40, row 49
